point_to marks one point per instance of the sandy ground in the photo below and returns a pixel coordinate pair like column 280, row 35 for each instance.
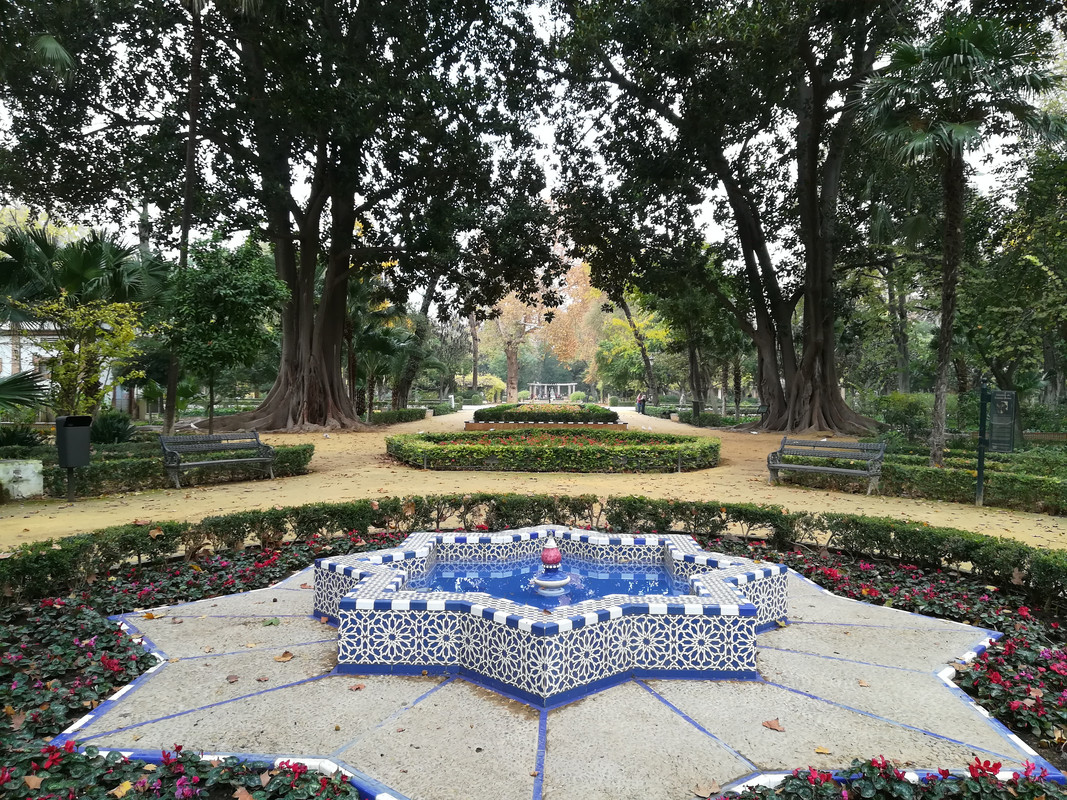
column 349, row 466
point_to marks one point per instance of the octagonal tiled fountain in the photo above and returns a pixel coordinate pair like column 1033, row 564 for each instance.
column 652, row 606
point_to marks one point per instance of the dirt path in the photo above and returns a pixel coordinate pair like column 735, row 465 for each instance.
column 349, row 466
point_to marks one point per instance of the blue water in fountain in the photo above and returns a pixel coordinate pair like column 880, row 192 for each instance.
column 513, row 580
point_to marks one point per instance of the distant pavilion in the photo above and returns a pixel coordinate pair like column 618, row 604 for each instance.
column 551, row 391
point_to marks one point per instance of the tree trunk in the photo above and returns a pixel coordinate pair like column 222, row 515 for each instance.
column 473, row 322
column 953, row 186
column 402, row 388
column 898, row 326
column 737, row 388
column 511, row 352
column 695, row 378
column 211, row 405
column 650, row 377
column 725, row 385
column 963, row 382
column 196, row 51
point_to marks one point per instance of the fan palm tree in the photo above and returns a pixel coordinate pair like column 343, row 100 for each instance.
column 36, row 266
column 21, row 389
column 938, row 99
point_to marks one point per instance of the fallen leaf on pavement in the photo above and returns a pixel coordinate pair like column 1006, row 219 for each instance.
column 357, row 687
column 864, row 684
column 707, row 789
column 286, row 656
column 232, row 678
column 774, row 725
column 822, row 751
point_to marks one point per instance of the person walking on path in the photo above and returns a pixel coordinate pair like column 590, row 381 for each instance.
column 641, row 403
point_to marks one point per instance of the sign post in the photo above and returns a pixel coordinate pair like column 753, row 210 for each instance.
column 996, row 431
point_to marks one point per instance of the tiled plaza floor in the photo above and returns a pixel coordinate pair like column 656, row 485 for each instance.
column 251, row 674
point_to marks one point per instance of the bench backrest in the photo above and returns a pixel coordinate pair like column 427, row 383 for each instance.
column 208, row 443
column 864, row 451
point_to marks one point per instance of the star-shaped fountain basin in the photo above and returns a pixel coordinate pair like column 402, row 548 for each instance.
column 642, row 606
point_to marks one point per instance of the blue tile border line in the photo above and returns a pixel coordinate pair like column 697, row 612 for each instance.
column 369, row 787
column 546, row 657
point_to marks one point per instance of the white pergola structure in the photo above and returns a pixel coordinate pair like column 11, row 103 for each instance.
column 547, row 392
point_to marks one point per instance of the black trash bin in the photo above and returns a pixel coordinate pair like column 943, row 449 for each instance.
column 72, row 440
column 72, row 443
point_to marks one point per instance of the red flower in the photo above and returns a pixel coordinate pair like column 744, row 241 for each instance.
column 980, row 768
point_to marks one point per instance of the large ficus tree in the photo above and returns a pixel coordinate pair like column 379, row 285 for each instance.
column 351, row 135
column 746, row 106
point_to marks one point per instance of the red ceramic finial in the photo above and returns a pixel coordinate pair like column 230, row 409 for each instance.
column 550, row 555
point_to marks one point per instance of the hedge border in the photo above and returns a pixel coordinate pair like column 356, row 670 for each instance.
column 538, row 412
column 1002, row 488
column 56, row 566
column 106, row 475
column 687, row 454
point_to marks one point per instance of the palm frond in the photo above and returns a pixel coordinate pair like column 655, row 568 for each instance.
column 48, row 52
column 21, row 389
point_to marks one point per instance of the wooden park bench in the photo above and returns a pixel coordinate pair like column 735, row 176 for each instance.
column 177, row 448
column 870, row 454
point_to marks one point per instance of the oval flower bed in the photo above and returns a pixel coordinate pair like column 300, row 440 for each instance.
column 545, row 412
column 556, row 451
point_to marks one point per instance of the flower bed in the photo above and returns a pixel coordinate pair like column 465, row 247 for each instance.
column 48, row 677
column 1021, row 678
column 546, row 412
column 551, row 451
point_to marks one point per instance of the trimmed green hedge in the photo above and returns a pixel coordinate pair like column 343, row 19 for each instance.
column 543, row 412
column 59, row 566
column 563, row 451
column 111, row 475
column 709, row 419
column 1003, row 488
column 441, row 409
column 662, row 412
column 395, row 415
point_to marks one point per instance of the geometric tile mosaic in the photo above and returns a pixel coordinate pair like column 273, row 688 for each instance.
column 549, row 657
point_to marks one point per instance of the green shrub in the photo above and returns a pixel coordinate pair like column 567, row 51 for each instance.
column 563, row 451
column 524, row 395
column 440, row 409
column 65, row 565
column 20, row 436
column 393, row 416
column 613, row 400
column 663, row 412
column 108, row 476
column 1003, row 489
column 907, row 413
column 1042, row 417
column 545, row 412
column 111, row 427
column 576, row 397
column 707, row 419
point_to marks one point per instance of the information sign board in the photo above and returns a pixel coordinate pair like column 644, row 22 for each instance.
column 1002, row 422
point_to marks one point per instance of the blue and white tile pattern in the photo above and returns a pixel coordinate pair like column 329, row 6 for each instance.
column 549, row 657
